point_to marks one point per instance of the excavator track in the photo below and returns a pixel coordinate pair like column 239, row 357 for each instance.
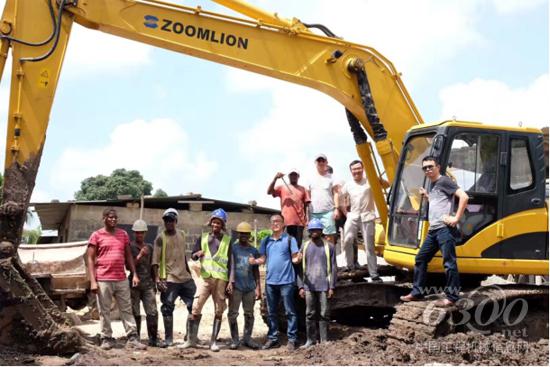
column 421, row 321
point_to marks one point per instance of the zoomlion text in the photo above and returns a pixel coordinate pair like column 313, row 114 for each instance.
column 204, row 34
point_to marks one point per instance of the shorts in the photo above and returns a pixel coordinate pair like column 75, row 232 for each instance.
column 327, row 218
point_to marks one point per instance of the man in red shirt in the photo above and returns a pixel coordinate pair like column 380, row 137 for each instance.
column 294, row 203
column 108, row 252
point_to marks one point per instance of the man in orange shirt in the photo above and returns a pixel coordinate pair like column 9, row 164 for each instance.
column 294, row 203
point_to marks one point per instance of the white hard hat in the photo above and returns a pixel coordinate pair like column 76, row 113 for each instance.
column 139, row 226
column 170, row 212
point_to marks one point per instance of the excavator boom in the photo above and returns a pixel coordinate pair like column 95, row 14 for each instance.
column 37, row 34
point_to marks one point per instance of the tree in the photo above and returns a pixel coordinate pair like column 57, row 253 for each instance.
column 31, row 236
column 160, row 193
column 120, row 182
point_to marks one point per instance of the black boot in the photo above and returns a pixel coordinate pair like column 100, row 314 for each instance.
column 138, row 325
column 234, row 329
column 215, row 331
column 187, row 327
column 323, row 331
column 311, row 332
column 247, row 337
column 168, row 330
column 193, row 332
column 152, row 332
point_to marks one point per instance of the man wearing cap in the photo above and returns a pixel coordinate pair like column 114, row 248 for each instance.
column 246, row 287
column 145, row 291
column 294, row 203
column 213, row 249
column 172, row 274
column 317, row 282
column 323, row 191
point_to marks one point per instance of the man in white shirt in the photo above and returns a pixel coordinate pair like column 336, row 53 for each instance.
column 323, row 192
column 361, row 216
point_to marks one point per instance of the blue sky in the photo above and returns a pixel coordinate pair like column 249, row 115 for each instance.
column 194, row 126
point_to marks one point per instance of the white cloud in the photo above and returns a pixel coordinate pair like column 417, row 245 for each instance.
column 90, row 52
column 415, row 35
column 160, row 149
column 492, row 101
column 515, row 6
column 303, row 122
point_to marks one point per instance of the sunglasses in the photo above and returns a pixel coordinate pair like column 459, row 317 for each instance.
column 430, row 167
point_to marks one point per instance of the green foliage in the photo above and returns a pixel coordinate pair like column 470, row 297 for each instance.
column 160, row 193
column 31, row 236
column 120, row 182
column 1, row 182
column 262, row 233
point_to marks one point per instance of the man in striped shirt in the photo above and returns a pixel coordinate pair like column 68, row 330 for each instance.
column 108, row 252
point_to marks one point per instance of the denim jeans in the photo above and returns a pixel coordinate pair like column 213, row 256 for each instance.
column 288, row 293
column 439, row 239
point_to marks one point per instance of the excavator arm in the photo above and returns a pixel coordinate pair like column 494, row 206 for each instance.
column 37, row 34
column 270, row 45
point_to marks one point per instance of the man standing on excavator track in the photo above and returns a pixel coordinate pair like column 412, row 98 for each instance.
column 441, row 234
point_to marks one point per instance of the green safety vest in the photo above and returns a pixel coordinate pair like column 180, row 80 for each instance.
column 327, row 255
column 162, row 265
column 215, row 266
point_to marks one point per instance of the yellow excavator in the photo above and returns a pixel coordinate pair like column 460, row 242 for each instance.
column 504, row 229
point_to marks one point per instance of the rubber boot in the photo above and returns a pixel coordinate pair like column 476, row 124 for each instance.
column 247, row 337
column 191, row 341
column 215, row 331
column 323, row 331
column 234, row 329
column 138, row 325
column 187, row 326
column 152, row 332
column 168, row 330
column 311, row 333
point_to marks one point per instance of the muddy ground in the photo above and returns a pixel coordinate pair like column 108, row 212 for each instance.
column 349, row 346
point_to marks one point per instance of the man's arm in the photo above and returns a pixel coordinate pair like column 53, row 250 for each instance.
column 256, row 272
column 130, row 264
column 197, row 250
column 295, row 251
column 452, row 220
column 92, row 253
column 336, row 198
column 271, row 187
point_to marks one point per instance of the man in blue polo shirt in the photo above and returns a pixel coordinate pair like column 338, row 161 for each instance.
column 279, row 251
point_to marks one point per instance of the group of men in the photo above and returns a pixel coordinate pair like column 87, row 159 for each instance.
column 224, row 268
column 332, row 202
column 230, row 270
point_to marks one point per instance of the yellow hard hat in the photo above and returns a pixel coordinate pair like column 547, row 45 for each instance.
column 244, row 227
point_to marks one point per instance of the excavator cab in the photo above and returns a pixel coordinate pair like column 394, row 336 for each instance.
column 502, row 170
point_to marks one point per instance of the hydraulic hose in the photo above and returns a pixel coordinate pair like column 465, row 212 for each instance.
column 32, row 44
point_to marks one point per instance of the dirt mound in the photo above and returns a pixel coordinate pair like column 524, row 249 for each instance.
column 373, row 347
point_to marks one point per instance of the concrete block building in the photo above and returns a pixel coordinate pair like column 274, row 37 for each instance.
column 76, row 220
